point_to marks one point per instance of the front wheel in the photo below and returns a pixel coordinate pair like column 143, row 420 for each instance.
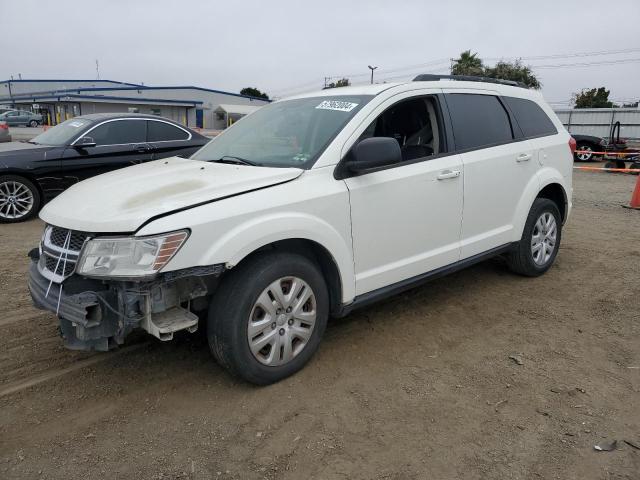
column 33, row 123
column 537, row 249
column 268, row 316
column 19, row 199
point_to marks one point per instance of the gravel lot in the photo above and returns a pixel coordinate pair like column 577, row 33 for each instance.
column 419, row 386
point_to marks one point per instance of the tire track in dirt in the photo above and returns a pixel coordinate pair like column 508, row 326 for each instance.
column 23, row 384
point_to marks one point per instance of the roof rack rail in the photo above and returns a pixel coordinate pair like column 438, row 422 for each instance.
column 428, row 77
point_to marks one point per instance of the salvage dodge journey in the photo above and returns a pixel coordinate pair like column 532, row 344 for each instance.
column 310, row 207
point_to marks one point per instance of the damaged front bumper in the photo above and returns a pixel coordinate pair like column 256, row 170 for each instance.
column 98, row 315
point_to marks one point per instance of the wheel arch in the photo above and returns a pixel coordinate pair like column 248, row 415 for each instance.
column 315, row 252
column 556, row 193
column 548, row 183
column 29, row 176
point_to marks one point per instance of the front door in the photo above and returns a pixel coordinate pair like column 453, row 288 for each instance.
column 406, row 219
column 119, row 144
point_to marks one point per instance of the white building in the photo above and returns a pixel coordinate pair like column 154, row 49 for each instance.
column 59, row 100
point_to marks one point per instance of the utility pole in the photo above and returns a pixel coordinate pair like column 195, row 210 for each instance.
column 372, row 69
column 97, row 70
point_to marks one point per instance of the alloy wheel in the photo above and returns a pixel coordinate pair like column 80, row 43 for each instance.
column 281, row 321
column 543, row 240
column 586, row 154
column 16, row 200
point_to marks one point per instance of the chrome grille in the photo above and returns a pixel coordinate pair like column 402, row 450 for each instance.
column 59, row 252
column 59, row 237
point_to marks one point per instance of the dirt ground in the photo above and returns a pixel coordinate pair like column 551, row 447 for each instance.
column 419, row 386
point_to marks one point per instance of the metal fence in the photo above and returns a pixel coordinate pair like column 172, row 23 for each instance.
column 598, row 121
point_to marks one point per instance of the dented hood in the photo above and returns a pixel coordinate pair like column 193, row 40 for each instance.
column 121, row 201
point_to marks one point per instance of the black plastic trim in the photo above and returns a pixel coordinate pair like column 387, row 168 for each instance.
column 368, row 298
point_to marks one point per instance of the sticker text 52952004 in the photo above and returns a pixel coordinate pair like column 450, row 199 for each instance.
column 337, row 105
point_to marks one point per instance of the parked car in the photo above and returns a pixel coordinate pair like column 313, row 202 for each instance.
column 34, row 172
column 587, row 146
column 5, row 135
column 16, row 118
column 309, row 207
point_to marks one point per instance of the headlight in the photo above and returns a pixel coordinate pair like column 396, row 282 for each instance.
column 129, row 256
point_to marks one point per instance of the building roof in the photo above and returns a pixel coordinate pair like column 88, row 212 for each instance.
column 127, row 86
column 103, row 98
column 237, row 109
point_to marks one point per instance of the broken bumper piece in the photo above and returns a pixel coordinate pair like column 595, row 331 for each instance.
column 97, row 315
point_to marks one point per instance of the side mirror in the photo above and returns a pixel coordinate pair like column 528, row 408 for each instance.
column 374, row 152
column 85, row 142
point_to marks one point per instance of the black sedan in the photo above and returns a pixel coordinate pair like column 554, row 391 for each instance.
column 32, row 173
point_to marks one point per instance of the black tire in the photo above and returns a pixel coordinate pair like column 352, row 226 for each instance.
column 233, row 302
column 585, row 157
column 33, row 123
column 610, row 164
column 521, row 260
column 35, row 193
column 635, row 167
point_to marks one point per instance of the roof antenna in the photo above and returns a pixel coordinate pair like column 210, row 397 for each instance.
column 97, row 70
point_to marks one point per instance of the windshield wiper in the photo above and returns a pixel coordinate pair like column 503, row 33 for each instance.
column 236, row 161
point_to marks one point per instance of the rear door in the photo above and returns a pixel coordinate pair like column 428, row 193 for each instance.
column 168, row 139
column 498, row 164
column 119, row 143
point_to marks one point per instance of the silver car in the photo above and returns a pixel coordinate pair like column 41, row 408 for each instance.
column 16, row 118
column 5, row 136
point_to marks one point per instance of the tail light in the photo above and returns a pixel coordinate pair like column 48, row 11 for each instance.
column 572, row 145
column 4, row 126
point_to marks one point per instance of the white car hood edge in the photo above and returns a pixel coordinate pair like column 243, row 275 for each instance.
column 124, row 200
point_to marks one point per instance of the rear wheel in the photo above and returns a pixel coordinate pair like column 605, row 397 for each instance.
column 538, row 247
column 584, row 152
column 19, row 199
column 268, row 316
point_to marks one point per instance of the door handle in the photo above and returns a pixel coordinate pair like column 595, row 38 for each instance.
column 523, row 157
column 448, row 174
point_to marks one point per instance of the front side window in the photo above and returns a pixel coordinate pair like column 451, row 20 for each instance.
column 62, row 134
column 119, row 132
column 478, row 120
column 530, row 117
column 291, row 133
column 414, row 124
column 162, row 132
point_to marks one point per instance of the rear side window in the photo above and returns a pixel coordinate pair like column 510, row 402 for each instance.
column 160, row 131
column 119, row 132
column 478, row 120
column 530, row 117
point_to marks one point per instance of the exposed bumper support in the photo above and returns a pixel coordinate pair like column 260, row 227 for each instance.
column 96, row 315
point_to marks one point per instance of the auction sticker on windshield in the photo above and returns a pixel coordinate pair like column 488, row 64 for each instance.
column 337, row 105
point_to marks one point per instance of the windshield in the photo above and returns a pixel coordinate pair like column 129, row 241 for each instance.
column 62, row 134
column 291, row 133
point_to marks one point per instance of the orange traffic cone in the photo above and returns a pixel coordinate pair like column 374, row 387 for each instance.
column 635, row 196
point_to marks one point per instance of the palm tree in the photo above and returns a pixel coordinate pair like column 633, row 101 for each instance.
column 468, row 64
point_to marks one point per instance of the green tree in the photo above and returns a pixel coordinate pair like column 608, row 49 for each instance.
column 514, row 71
column 468, row 64
column 593, row 98
column 253, row 92
column 343, row 82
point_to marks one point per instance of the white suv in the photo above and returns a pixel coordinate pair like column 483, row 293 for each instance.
column 308, row 208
